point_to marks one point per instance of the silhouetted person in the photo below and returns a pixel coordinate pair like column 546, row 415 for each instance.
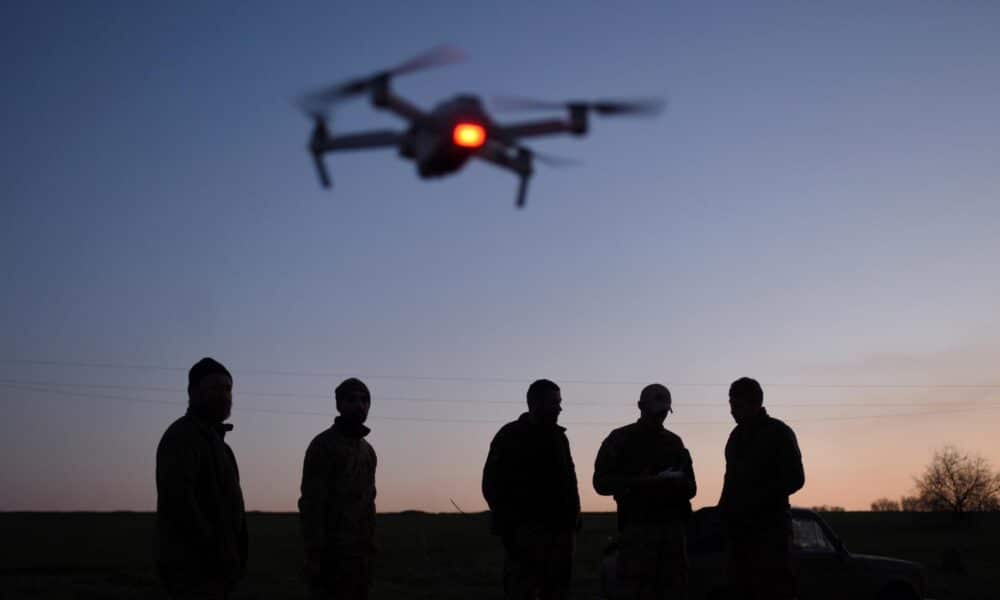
column 337, row 507
column 529, row 482
column 201, row 546
column 648, row 471
column 763, row 468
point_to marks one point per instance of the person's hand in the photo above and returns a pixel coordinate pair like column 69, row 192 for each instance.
column 645, row 478
column 670, row 474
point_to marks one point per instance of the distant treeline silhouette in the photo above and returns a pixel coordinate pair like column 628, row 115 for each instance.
column 954, row 481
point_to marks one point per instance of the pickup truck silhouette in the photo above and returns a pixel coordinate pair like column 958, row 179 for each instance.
column 825, row 569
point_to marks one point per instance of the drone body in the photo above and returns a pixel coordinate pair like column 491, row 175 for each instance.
column 441, row 141
column 467, row 126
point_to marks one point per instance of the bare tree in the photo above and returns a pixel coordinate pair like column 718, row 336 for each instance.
column 959, row 483
column 912, row 504
column 885, row 505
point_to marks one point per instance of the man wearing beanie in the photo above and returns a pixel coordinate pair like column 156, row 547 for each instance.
column 201, row 534
column 337, row 506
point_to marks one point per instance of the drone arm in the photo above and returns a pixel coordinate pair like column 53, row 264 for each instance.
column 399, row 106
column 499, row 155
column 359, row 141
column 383, row 97
column 575, row 126
column 321, row 142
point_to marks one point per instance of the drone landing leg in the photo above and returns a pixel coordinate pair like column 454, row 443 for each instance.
column 324, row 177
column 522, row 191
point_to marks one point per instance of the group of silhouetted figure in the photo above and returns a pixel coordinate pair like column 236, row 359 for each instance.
column 529, row 482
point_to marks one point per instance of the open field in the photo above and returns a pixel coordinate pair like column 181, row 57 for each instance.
column 441, row 556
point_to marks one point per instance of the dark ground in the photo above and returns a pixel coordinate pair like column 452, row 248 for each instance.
column 83, row 556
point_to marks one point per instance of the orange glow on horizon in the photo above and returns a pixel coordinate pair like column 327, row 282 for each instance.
column 469, row 135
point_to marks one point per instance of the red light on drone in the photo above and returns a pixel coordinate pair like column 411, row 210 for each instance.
column 469, row 135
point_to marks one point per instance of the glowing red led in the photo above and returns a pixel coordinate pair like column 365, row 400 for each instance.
column 469, row 135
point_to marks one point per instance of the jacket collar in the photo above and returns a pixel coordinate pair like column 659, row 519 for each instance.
column 351, row 430
column 757, row 421
column 525, row 421
column 220, row 429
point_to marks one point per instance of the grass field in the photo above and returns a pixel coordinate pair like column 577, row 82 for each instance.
column 442, row 556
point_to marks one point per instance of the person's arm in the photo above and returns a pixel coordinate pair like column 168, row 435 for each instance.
column 788, row 475
column 577, row 522
column 242, row 539
column 315, row 489
column 791, row 474
column 687, row 485
column 371, row 513
column 498, row 483
column 726, row 495
column 494, row 472
column 608, row 479
column 177, row 465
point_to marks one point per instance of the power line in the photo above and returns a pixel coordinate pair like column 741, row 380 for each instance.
column 240, row 391
column 466, row 402
column 484, row 379
column 483, row 421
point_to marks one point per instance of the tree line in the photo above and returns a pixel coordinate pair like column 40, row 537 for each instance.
column 954, row 481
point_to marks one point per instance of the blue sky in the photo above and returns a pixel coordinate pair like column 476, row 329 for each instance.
column 819, row 205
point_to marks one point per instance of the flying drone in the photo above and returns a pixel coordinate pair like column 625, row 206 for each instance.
column 441, row 141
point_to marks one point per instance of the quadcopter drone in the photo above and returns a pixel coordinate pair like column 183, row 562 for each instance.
column 442, row 140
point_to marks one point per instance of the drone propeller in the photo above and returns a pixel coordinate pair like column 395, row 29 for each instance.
column 634, row 107
column 317, row 103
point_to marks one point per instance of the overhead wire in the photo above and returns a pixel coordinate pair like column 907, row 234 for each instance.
column 43, row 390
column 493, row 379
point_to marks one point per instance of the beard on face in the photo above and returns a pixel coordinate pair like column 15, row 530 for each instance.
column 354, row 414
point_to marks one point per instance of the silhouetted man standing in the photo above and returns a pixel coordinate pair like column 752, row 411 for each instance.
column 763, row 468
column 649, row 472
column 200, row 518
column 529, row 482
column 337, row 507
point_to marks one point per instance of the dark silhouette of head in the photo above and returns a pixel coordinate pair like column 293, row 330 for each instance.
column 353, row 400
column 210, row 390
column 655, row 403
column 544, row 402
column 746, row 399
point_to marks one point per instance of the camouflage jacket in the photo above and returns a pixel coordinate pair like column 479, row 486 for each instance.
column 530, row 479
column 201, row 529
column 763, row 468
column 337, row 506
column 635, row 451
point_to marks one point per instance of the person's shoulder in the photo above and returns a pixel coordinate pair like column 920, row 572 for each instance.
column 673, row 438
column 515, row 427
column 323, row 439
column 779, row 427
column 620, row 434
column 182, row 427
column 181, row 436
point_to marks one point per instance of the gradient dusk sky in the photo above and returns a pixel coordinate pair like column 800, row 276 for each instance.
column 819, row 208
